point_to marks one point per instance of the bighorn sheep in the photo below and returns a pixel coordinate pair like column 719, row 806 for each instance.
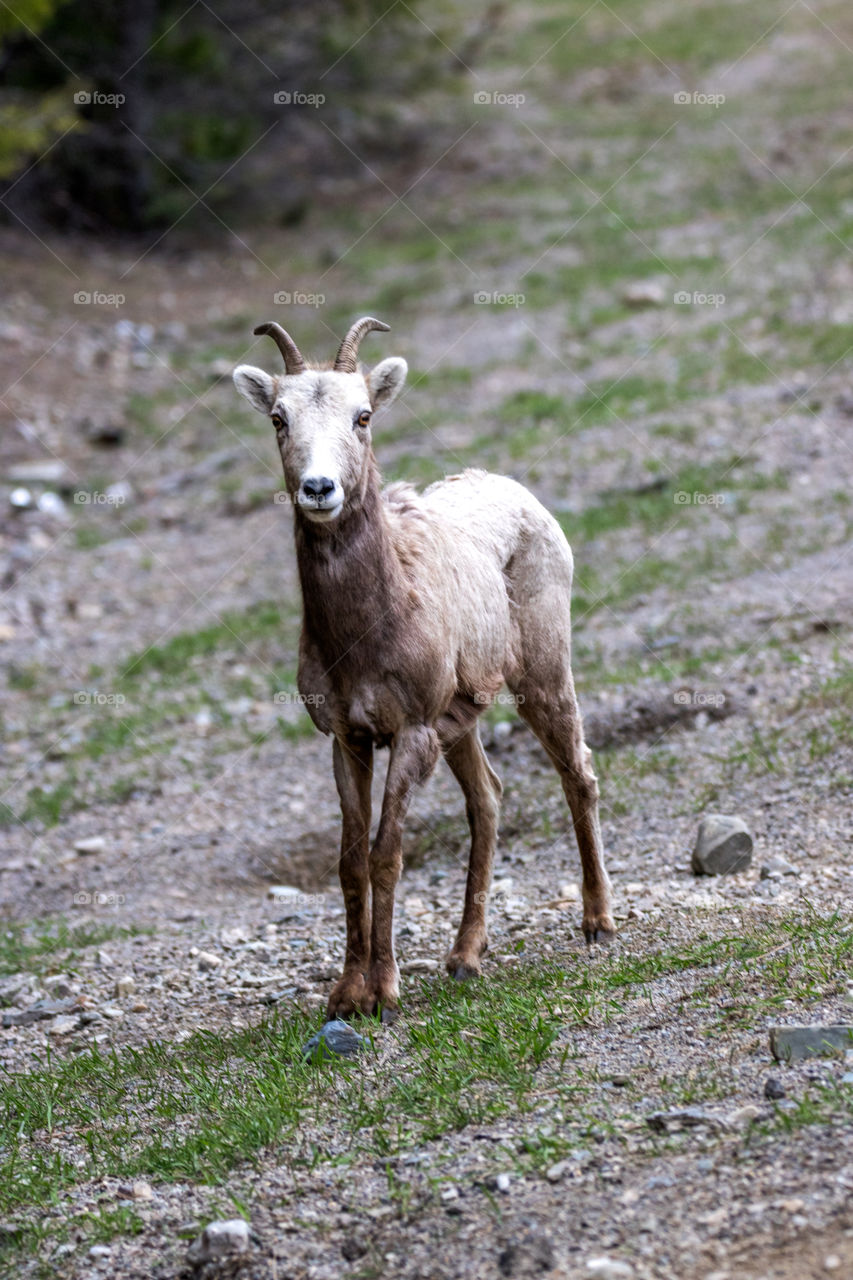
column 417, row 609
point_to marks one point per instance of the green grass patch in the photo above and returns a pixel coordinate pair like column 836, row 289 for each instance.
column 36, row 948
column 237, row 629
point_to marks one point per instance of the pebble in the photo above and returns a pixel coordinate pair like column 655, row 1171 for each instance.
column 555, row 1173
column 644, row 293
column 686, row 1118
column 220, row 1240
column 112, row 1012
column 125, row 986
column 503, row 1183
column 776, row 868
column 419, row 966
column 41, row 471
column 207, row 960
column 62, row 1026
column 280, row 891
column 792, row 1044
column 832, row 1262
column 723, row 846
column 744, row 1116
column 609, row 1268
column 774, row 1088
column 90, row 845
column 335, row 1039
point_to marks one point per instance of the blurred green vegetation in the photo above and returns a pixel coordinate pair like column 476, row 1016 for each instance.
column 129, row 114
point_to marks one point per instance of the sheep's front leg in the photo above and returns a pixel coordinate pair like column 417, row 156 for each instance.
column 353, row 761
column 414, row 753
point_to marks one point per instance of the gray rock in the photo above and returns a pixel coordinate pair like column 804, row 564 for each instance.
column 220, row 1240
column 38, row 1012
column 774, row 1089
column 335, row 1039
column 723, row 846
column 792, row 1044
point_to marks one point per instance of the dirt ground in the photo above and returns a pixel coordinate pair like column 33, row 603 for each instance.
column 148, row 630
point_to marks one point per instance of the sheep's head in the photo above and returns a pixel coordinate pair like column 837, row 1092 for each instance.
column 322, row 418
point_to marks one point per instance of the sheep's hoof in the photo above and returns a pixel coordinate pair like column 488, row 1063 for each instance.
column 462, row 970
column 600, row 929
column 346, row 997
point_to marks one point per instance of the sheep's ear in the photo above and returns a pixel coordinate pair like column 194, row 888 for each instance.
column 258, row 387
column 386, row 381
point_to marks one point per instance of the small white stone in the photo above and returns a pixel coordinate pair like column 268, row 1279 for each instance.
column 831, row 1262
column 110, row 1011
column 502, row 1182
column 62, row 1026
column 644, row 293
column 125, row 985
column 744, row 1116
column 555, row 1173
column 220, row 1240
column 90, row 845
column 207, row 960
column 142, row 1191
column 609, row 1268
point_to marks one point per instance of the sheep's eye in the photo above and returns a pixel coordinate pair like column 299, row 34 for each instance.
column 277, row 421
column 363, row 419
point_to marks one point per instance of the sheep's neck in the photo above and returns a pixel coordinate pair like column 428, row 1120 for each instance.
column 352, row 587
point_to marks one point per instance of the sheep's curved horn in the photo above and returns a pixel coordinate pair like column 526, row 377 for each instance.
column 346, row 359
column 293, row 361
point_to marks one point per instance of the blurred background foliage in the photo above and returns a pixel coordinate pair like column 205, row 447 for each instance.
column 120, row 114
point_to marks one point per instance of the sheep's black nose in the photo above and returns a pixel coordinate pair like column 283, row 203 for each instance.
column 318, row 487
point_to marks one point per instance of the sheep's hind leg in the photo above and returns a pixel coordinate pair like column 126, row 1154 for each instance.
column 482, row 789
column 555, row 718
column 353, row 761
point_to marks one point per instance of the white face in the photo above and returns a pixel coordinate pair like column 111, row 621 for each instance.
column 322, row 425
